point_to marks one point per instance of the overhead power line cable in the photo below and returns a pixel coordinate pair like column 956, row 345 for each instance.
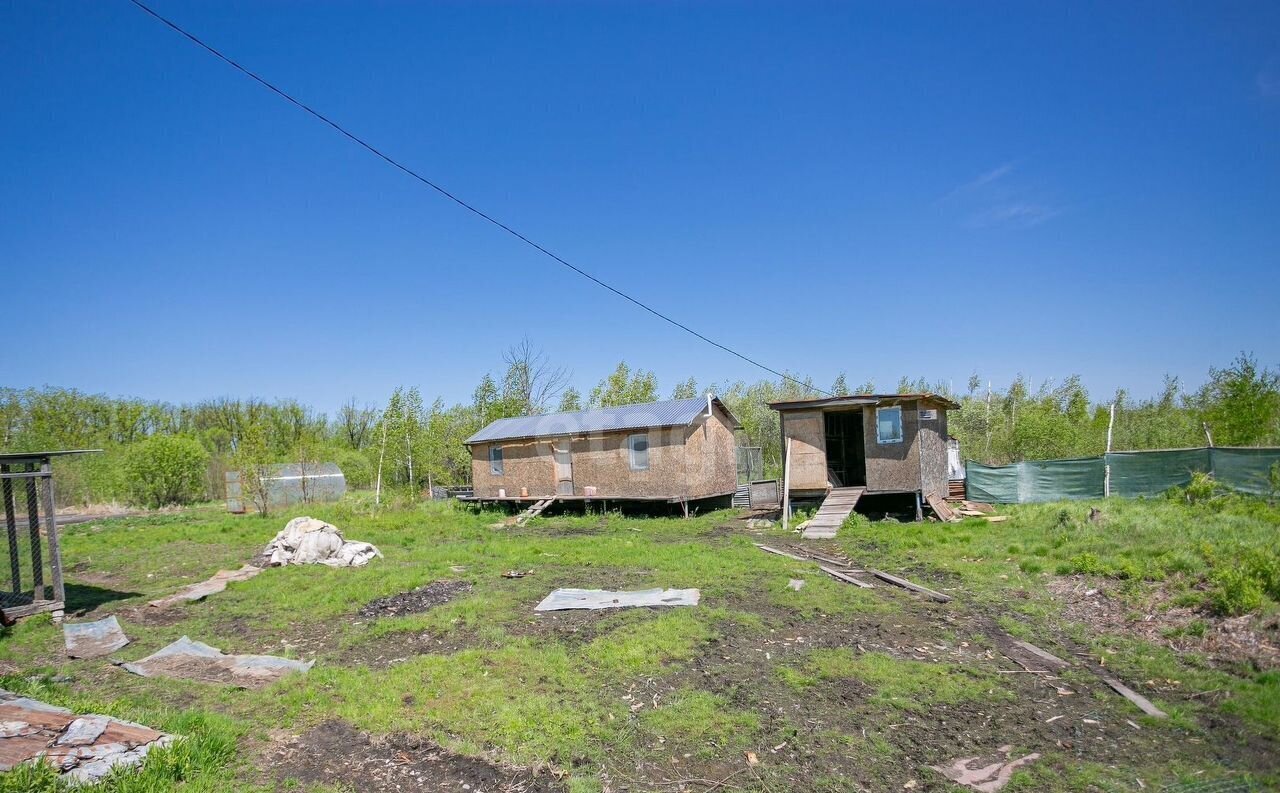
column 362, row 143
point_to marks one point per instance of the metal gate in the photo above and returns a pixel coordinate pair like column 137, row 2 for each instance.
column 30, row 561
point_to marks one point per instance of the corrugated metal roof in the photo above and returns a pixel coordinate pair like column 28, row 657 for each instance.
column 862, row 399
column 673, row 413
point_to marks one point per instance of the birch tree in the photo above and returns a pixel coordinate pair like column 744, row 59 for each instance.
column 411, row 429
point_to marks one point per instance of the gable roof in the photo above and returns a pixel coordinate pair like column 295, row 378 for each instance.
column 853, row 400
column 672, row 413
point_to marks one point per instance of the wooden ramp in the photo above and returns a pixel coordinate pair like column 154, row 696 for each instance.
column 535, row 510
column 837, row 506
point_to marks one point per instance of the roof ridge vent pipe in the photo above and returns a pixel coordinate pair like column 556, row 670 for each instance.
column 710, row 396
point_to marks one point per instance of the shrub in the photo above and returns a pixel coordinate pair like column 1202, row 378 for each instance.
column 1200, row 489
column 1088, row 564
column 165, row 469
column 1264, row 567
column 1235, row 592
column 355, row 467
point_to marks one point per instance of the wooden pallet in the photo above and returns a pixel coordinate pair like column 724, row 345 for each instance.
column 836, row 507
column 535, row 510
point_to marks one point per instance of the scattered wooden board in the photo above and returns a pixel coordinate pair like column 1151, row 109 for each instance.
column 1142, row 702
column 768, row 549
column 905, row 584
column 941, row 509
column 1051, row 660
column 995, row 518
column 822, row 557
column 978, row 506
column 844, row 576
column 1027, row 655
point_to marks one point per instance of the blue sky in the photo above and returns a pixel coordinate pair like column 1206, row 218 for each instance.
column 922, row 189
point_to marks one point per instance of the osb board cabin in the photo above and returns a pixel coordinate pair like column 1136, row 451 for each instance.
column 887, row 443
column 679, row 451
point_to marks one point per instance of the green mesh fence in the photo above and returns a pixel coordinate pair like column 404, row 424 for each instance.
column 1247, row 470
column 1039, row 480
column 1133, row 474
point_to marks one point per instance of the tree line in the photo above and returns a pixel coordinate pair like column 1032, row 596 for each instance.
column 159, row 452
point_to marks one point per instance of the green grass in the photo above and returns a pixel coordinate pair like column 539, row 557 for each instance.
column 627, row 693
column 907, row 684
column 1226, row 551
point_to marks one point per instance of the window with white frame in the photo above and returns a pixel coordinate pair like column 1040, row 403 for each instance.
column 638, row 451
column 889, row 424
column 495, row 460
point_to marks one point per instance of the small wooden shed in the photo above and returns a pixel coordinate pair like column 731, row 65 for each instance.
column 679, row 451
column 866, row 444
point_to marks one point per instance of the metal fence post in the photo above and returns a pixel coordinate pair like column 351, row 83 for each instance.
column 33, row 528
column 11, row 527
column 55, row 548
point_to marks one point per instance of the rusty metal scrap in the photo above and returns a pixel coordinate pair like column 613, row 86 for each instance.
column 94, row 639
column 192, row 660
column 82, row 748
column 204, row 589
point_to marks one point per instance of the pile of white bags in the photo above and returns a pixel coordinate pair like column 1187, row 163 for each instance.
column 310, row 541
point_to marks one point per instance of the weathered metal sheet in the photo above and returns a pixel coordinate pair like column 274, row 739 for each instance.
column 83, row 748
column 565, row 599
column 673, row 413
column 94, row 639
column 204, row 589
column 191, row 660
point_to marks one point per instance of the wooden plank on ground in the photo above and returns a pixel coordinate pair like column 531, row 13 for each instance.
column 905, row 584
column 1049, row 658
column 769, row 549
column 822, row 557
column 940, row 508
column 844, row 576
column 995, row 518
column 1142, row 702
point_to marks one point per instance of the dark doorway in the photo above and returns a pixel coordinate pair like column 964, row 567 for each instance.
column 846, row 453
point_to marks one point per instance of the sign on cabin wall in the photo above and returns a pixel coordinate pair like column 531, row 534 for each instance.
column 928, row 414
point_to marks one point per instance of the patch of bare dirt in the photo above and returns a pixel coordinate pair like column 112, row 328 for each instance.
column 393, row 648
column 1250, row 639
column 415, row 601
column 336, row 753
column 1077, row 720
column 153, row 617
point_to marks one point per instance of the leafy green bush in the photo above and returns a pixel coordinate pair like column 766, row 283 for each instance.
column 1087, row 564
column 355, row 467
column 1234, row 592
column 1264, row 567
column 165, row 469
column 1200, row 489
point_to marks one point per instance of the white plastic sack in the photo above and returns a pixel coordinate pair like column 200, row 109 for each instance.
column 309, row 541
